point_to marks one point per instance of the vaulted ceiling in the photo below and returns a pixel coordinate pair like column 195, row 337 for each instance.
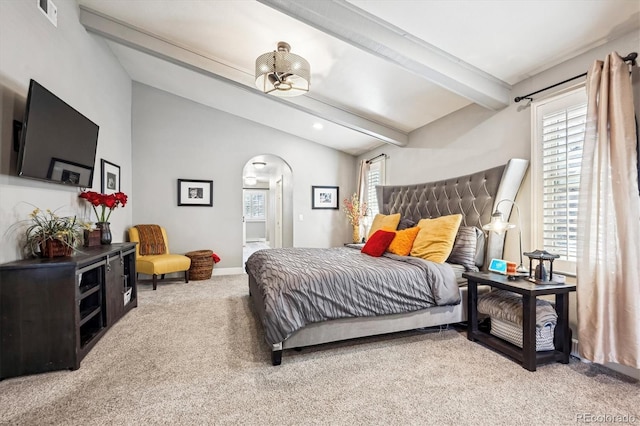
column 379, row 68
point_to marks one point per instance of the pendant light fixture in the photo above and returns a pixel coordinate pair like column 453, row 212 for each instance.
column 282, row 73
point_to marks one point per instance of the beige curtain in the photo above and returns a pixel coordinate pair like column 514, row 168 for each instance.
column 608, row 264
column 362, row 181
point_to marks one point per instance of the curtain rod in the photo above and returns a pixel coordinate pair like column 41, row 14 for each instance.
column 630, row 57
column 377, row 156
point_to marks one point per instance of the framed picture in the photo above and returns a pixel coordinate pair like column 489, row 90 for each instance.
column 195, row 192
column 110, row 177
column 69, row 172
column 324, row 197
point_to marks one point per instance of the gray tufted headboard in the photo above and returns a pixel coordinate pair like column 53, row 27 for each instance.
column 474, row 196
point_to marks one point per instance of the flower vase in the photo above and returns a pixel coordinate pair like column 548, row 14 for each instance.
column 105, row 232
column 356, row 233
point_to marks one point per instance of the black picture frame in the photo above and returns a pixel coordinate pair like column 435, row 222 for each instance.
column 325, row 197
column 195, row 192
column 110, row 177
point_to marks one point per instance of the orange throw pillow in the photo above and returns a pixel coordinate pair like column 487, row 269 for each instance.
column 403, row 241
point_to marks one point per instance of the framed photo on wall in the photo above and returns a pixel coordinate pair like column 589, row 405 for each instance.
column 324, row 197
column 193, row 192
column 110, row 173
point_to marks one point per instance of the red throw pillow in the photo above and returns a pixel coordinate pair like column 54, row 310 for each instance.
column 378, row 243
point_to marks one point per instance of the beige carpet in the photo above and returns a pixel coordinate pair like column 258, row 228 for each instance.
column 194, row 354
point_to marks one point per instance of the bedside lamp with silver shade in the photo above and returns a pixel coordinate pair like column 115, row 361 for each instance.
column 499, row 226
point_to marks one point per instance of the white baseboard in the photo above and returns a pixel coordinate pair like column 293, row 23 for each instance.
column 228, row 271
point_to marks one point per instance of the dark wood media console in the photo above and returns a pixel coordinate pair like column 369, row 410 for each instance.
column 53, row 311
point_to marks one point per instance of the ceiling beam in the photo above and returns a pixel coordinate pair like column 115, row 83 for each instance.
column 137, row 39
column 359, row 28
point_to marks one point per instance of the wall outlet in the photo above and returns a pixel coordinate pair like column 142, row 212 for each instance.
column 49, row 10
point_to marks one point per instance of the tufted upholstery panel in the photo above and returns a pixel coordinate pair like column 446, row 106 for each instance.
column 474, row 196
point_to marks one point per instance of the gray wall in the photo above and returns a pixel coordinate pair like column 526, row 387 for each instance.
column 81, row 70
column 176, row 138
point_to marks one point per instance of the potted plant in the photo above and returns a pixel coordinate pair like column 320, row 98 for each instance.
column 107, row 202
column 50, row 235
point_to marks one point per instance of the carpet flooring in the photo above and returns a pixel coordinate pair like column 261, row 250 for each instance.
column 195, row 354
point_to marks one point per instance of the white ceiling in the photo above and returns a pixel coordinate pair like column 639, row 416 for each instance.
column 380, row 68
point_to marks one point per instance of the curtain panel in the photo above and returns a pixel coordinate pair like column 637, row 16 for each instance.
column 608, row 278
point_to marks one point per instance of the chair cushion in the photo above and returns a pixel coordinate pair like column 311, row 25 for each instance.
column 162, row 264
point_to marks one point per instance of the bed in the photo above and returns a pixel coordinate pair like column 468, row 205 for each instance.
column 306, row 297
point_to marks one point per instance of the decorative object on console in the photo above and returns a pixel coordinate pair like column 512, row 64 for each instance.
column 282, row 73
column 192, row 192
column 110, row 173
column 105, row 201
column 499, row 226
column 355, row 211
column 540, row 276
column 50, row 235
column 105, row 232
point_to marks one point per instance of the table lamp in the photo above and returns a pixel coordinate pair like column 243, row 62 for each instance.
column 499, row 226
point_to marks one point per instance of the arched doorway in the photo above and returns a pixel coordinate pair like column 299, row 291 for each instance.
column 267, row 196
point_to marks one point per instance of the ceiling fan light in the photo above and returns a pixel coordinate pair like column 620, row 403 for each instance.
column 282, row 73
column 259, row 164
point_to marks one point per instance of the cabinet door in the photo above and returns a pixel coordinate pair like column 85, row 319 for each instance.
column 114, row 280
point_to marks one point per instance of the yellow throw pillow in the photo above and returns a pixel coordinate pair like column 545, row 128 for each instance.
column 403, row 241
column 436, row 237
column 384, row 222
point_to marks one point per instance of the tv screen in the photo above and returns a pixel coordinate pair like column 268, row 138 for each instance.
column 58, row 144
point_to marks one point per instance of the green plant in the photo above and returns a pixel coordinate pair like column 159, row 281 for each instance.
column 48, row 226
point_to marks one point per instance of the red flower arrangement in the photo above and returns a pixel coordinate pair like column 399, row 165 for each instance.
column 106, row 201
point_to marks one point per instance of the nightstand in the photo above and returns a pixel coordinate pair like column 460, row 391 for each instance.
column 526, row 355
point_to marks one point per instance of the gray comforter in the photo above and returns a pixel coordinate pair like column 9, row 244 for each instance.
column 300, row 286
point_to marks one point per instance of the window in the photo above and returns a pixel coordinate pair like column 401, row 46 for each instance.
column 558, row 135
column 254, row 204
column 375, row 176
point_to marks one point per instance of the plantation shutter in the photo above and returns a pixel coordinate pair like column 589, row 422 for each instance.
column 374, row 177
column 562, row 141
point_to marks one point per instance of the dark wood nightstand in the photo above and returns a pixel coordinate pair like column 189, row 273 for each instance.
column 526, row 355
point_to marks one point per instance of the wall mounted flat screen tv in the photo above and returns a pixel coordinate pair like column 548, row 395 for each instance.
column 58, row 144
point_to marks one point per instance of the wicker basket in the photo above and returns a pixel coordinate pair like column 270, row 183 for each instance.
column 201, row 264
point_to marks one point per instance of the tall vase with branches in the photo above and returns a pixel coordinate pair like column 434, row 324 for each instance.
column 354, row 210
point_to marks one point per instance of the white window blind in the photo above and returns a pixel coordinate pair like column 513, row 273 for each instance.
column 254, row 204
column 375, row 176
column 557, row 157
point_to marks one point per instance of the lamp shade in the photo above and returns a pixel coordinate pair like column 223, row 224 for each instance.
column 497, row 224
column 282, row 73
